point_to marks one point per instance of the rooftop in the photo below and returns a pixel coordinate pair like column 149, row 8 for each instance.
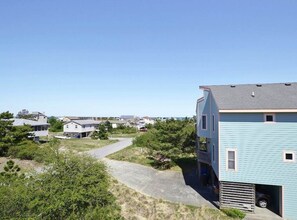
column 85, row 122
column 21, row 122
column 255, row 96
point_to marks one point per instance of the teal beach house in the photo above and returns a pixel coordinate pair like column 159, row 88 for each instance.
column 247, row 145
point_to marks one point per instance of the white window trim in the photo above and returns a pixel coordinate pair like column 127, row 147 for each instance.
column 289, row 152
column 273, row 115
column 204, row 129
column 235, row 150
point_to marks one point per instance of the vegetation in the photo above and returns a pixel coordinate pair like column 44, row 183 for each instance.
column 135, row 205
column 55, row 125
column 122, row 129
column 101, row 133
column 27, row 150
column 72, row 187
column 234, row 213
column 168, row 143
column 12, row 135
column 82, row 144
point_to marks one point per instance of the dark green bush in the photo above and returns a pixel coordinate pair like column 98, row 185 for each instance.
column 73, row 187
column 122, row 129
column 173, row 139
column 26, row 150
column 233, row 213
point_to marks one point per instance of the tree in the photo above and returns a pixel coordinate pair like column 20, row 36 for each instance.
column 55, row 125
column 102, row 133
column 11, row 135
column 169, row 139
column 10, row 169
column 72, row 187
column 108, row 126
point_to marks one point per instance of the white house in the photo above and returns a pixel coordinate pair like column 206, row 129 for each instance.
column 40, row 129
column 80, row 128
column 148, row 120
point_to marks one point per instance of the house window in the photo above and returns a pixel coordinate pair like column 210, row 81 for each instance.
column 75, row 126
column 289, row 156
column 213, row 123
column 66, row 126
column 213, row 153
column 83, row 126
column 231, row 159
column 269, row 118
column 203, row 124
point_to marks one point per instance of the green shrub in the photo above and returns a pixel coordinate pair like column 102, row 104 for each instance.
column 122, row 129
column 233, row 213
column 72, row 187
column 27, row 150
column 172, row 139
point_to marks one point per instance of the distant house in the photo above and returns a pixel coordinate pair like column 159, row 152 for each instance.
column 147, row 120
column 117, row 123
column 80, row 128
column 247, row 143
column 127, row 117
column 71, row 118
column 38, row 116
column 40, row 129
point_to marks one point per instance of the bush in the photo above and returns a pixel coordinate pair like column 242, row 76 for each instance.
column 72, row 187
column 172, row 139
column 234, row 213
column 27, row 150
column 55, row 125
column 122, row 129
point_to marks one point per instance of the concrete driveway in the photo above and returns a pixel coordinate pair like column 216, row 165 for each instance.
column 167, row 185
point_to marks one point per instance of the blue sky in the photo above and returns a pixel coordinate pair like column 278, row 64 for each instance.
column 142, row 57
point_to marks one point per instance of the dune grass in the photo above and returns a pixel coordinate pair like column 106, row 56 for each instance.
column 135, row 205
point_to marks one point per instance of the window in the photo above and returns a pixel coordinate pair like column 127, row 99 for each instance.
column 213, row 153
column 66, row 126
column 269, row 118
column 231, row 159
column 203, row 124
column 213, row 123
column 289, row 156
column 75, row 126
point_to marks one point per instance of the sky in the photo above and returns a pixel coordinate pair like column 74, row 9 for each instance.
column 138, row 57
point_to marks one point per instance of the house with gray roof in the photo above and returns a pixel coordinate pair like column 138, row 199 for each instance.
column 247, row 145
column 80, row 128
column 40, row 129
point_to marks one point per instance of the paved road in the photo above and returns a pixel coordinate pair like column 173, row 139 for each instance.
column 167, row 185
column 109, row 149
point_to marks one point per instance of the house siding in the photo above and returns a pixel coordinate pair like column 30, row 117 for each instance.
column 209, row 108
column 260, row 149
column 80, row 129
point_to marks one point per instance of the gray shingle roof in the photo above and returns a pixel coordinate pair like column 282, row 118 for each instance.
column 86, row 122
column 255, row 96
column 21, row 122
